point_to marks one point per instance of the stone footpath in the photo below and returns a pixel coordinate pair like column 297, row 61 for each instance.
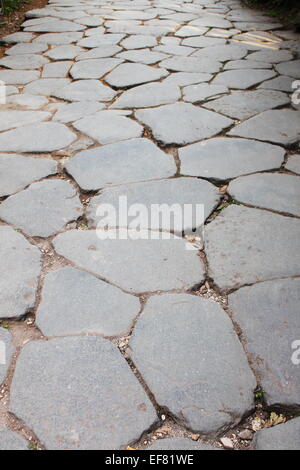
column 116, row 343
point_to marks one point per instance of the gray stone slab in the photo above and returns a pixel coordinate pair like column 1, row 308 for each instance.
column 75, row 302
column 67, row 405
column 18, row 77
column 74, row 111
column 85, row 90
column 12, row 441
column 222, row 158
column 37, row 138
column 211, row 20
column 174, row 49
column 93, row 68
column 139, row 42
column 256, row 26
column 188, row 31
column 202, row 92
column 6, row 352
column 89, row 21
column 14, row 38
column 268, row 314
column 120, row 163
column 126, row 75
column 191, row 64
column 94, row 31
column 275, row 191
column 285, row 436
column 46, row 86
column 278, row 126
column 25, row 100
column 43, row 209
column 256, row 235
column 59, row 38
column 179, row 443
column 57, row 69
column 20, row 268
column 203, row 41
column 291, row 69
column 55, row 26
column 272, row 56
column 246, row 64
column 293, row 163
column 187, row 78
column 99, row 52
column 26, row 48
column 17, row 171
column 65, row 52
column 150, row 94
column 281, row 83
column 242, row 79
column 24, row 62
column 12, row 119
column 222, row 53
column 182, row 123
column 193, row 390
column 142, row 56
column 244, row 104
column 98, row 40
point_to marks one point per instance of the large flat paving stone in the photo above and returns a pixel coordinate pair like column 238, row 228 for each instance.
column 81, row 396
column 64, row 52
column 285, row 436
column 272, row 56
column 179, row 443
column 98, row 40
column 6, row 351
column 75, row 302
column 77, row 110
column 120, row 163
column 255, row 235
column 184, row 327
column 291, row 69
column 187, row 78
column 15, row 38
column 211, row 20
column 99, row 52
column 55, row 26
column 10, row 440
column 182, row 123
column 143, row 265
column 142, row 56
column 26, row 61
column 46, row 86
column 18, row 77
column 12, row 119
column 150, row 94
column 275, row 191
column 202, row 92
column 85, row 90
column 37, row 138
column 107, row 127
column 126, row 75
column 280, row 126
column 59, row 69
column 59, row 38
column 222, row 53
column 242, row 79
column 202, row 41
column 281, row 83
column 268, row 315
column 293, row 163
column 20, row 268
column 139, row 42
column 93, row 68
column 26, row 48
column 42, row 209
column 191, row 64
column 17, row 171
column 246, row 64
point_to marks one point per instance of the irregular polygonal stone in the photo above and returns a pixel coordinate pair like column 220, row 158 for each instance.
column 57, row 69
column 187, row 78
column 17, row 171
column 134, row 74
column 41, row 137
column 245, row 26
column 197, row 93
column 193, row 390
column 75, row 302
column 17, row 37
column 99, row 52
column 139, row 42
column 95, row 31
column 28, row 61
column 73, row 111
column 203, row 41
column 182, row 123
column 285, row 436
column 179, row 443
column 142, row 265
column 273, row 56
column 93, row 68
column 222, row 53
column 174, row 49
column 278, row 126
column 59, row 38
column 85, row 90
column 292, row 68
column 246, row 64
column 6, row 352
column 244, row 104
column 20, row 268
column 54, row 26
column 223, row 158
column 11, row 119
column 191, row 64
column 46, row 86
column 26, row 48
column 11, row 441
column 211, row 20
column 66, row 404
column 293, row 163
column 256, row 235
column 281, row 83
column 18, row 77
column 242, row 79
column 187, row 31
column 143, row 56
column 89, row 21
column 64, row 52
column 25, row 100
column 268, row 316
column 120, row 163
column 98, row 40
column 150, row 94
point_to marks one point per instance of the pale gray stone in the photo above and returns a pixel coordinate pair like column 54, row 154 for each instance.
column 64, row 52
column 74, row 111
column 75, row 302
column 188, row 31
column 246, row 64
column 242, row 79
column 6, row 351
column 99, row 52
column 182, row 123
column 20, row 268
column 65, row 406
column 46, row 86
column 291, row 69
column 24, row 62
column 93, row 68
column 25, row 100
column 55, row 26
column 89, row 21
column 126, row 75
column 59, row 38
column 120, row 163
column 268, row 315
column 203, row 41
column 179, row 443
column 222, row 158
column 211, row 20
column 272, row 56
column 191, row 64
column 222, row 53
column 14, row 38
column 57, row 69
column 257, row 26
column 26, row 48
column 9, row 440
column 174, row 49
column 142, row 56
column 193, row 390
column 293, row 163
column 11, row 119
column 18, row 77
column 187, row 78
column 202, row 92
column 85, row 90
column 285, row 436
column 256, row 235
column 139, row 42
column 150, row 94
column 281, row 83
column 98, row 40
column 94, row 31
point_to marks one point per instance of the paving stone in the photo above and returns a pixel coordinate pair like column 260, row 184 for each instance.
column 139, row 42
column 293, row 163
column 244, row 104
column 211, row 20
column 182, row 123
column 191, row 64
column 18, row 77
column 55, row 26
column 246, row 64
column 187, row 78
column 57, row 69
column 107, row 127
column 36, row 138
column 64, row 52
column 11, row 441
column 292, row 68
column 85, row 90
column 151, row 30
column 242, row 79
column 75, row 302
column 94, row 31
column 278, row 126
column 150, row 94
column 20, row 268
column 174, row 49
column 25, row 100
column 98, row 40
column 193, row 391
column 275, row 191
column 279, row 83
column 222, row 158
column 268, row 315
column 26, row 61
column 89, row 21
column 66, row 406
column 15, row 38
column 203, row 41
column 188, row 31
column 99, row 52
column 251, row 232
column 285, row 436
column 273, row 56
column 202, row 92
column 11, row 119
column 142, row 56
column 46, row 86
column 17, row 171
column 93, row 68
column 74, row 111
column 126, row 75
column 142, row 265
column 6, row 351
column 59, row 38
column 257, row 26
column 120, row 163
column 26, row 48
column 222, row 53
column 179, row 443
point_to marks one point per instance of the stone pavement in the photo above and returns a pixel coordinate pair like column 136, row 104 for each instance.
column 115, row 343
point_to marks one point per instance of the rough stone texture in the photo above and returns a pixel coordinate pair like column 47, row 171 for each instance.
column 74, row 111
column 126, row 75
column 46, row 86
column 222, row 53
column 143, row 265
column 223, row 158
column 285, row 436
column 93, row 68
column 55, row 26
column 99, row 52
column 6, row 352
column 17, row 37
column 27, row 101
column 256, row 235
column 150, row 94
column 203, row 91
column 179, row 443
column 292, row 68
column 281, row 83
column 26, row 48
column 16, row 171
column 20, row 268
column 66, row 404
column 120, row 163
column 85, row 90
column 246, row 64
column 26, row 61
column 193, row 390
column 64, row 52
column 11, row 441
column 98, row 40
column 11, row 119
column 75, row 302
column 191, row 64
column 273, row 56
column 187, row 78
column 139, row 42
column 59, row 38
column 17, row 78
column 242, row 79
column 268, row 314
column 182, row 123
column 43, row 209
column 142, row 56
column 57, row 69
column 293, row 164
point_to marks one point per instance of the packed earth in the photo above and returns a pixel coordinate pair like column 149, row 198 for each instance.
column 138, row 343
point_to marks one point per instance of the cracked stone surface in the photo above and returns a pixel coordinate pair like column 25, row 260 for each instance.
column 10, row 440
column 7, row 350
column 126, row 75
column 150, row 94
column 84, row 90
column 293, row 164
column 285, row 436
